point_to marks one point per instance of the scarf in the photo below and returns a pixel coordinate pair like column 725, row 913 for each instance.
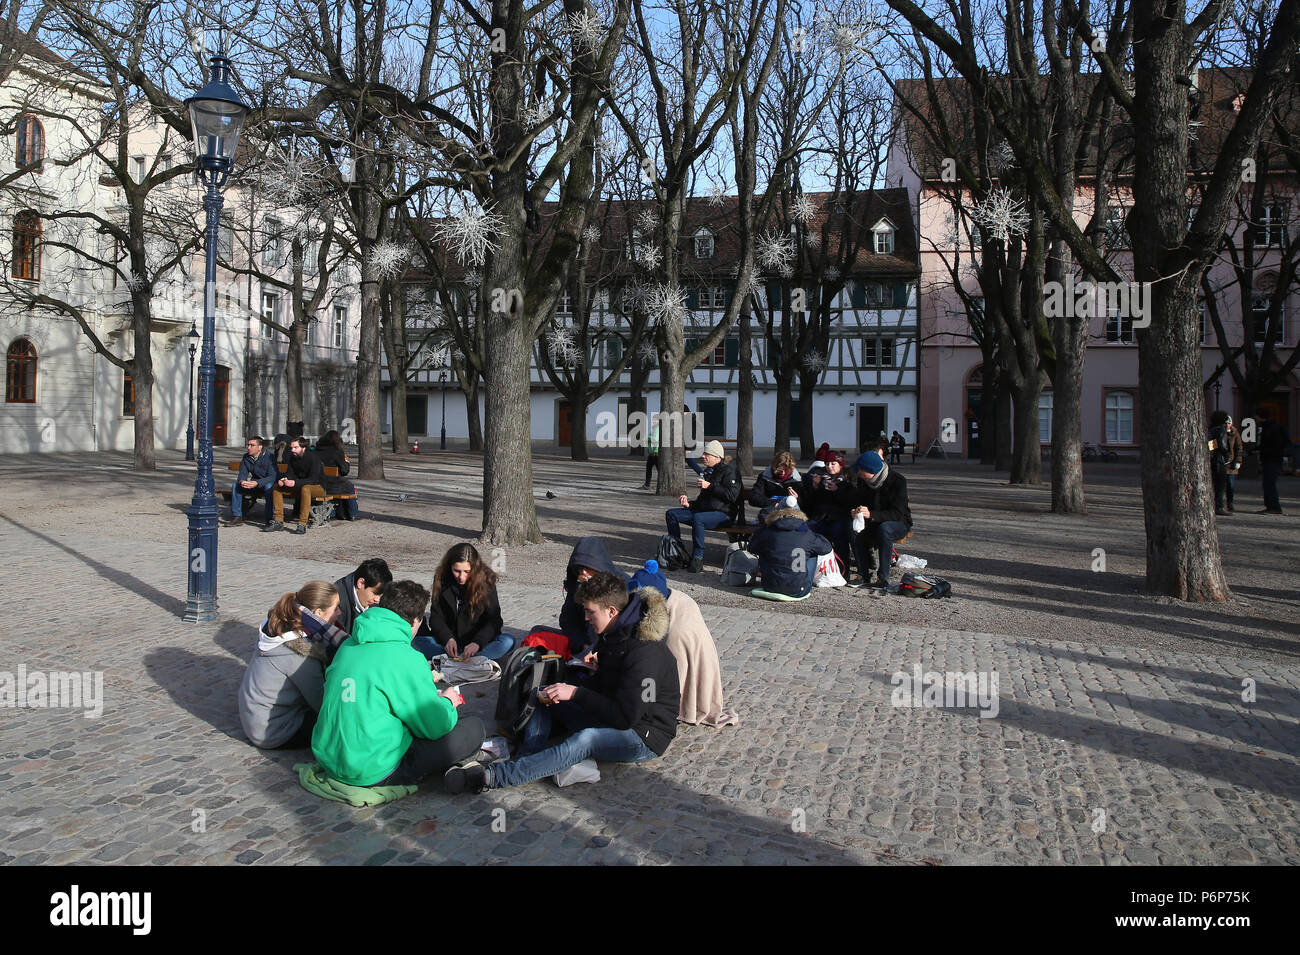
column 320, row 631
column 879, row 478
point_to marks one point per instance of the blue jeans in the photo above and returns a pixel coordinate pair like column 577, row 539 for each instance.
column 600, row 743
column 238, row 493
column 1269, row 473
column 349, row 507
column 700, row 522
column 880, row 537
column 496, row 648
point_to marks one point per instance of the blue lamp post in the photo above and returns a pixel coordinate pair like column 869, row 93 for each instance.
column 217, row 115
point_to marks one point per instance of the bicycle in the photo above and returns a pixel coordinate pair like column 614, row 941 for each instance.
column 1091, row 453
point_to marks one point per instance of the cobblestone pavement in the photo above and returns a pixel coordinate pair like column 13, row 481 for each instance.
column 1094, row 755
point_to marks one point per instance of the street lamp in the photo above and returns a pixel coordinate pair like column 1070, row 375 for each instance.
column 193, row 336
column 216, row 116
column 1218, row 385
column 442, row 378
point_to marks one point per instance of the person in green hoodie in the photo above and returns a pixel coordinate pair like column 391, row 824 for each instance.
column 382, row 721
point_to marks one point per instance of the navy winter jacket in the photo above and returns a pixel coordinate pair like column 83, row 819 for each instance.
column 786, row 550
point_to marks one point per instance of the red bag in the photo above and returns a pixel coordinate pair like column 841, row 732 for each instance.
column 550, row 639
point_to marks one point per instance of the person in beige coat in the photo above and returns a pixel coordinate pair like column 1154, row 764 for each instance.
column 699, row 672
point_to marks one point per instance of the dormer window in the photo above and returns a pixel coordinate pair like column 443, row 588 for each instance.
column 633, row 243
column 883, row 236
column 704, row 244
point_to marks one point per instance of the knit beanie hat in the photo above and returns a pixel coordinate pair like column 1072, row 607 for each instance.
column 649, row 576
column 870, row 462
column 714, row 448
column 836, row 458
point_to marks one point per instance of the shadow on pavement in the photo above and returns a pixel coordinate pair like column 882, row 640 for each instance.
column 206, row 686
column 169, row 603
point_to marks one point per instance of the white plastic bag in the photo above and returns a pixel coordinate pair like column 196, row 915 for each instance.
column 473, row 670
column 584, row 772
column 859, row 523
column 830, row 571
column 908, row 562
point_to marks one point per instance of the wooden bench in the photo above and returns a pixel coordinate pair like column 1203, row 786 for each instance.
column 322, row 509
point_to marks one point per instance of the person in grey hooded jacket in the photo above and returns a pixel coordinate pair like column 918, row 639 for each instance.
column 787, row 552
column 282, row 688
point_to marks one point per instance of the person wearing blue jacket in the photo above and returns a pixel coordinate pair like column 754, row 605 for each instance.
column 257, row 472
column 787, row 551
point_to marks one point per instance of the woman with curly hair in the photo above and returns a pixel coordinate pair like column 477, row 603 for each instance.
column 464, row 616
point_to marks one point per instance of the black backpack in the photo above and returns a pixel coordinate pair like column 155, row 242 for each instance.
column 523, row 672
column 924, row 585
column 672, row 554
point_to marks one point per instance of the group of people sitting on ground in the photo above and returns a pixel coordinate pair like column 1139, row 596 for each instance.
column 304, row 479
column 858, row 513
column 345, row 668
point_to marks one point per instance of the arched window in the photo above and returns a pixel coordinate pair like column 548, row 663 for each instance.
column 27, row 246
column 20, row 372
column 30, row 147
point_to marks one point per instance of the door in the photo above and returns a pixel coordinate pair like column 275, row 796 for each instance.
column 417, row 414
column 871, row 421
column 713, row 415
column 221, row 407
column 564, row 422
column 973, row 396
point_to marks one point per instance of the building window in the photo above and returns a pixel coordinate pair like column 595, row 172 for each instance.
column 128, row 396
column 1203, row 311
column 270, row 313
column 704, row 244
column 1119, row 327
column 884, row 236
column 1045, row 417
column 564, row 305
column 1116, row 234
column 1119, row 417
column 1259, row 309
column 225, row 242
column 311, row 257
column 30, row 147
column 878, row 353
column 340, row 323
column 137, row 168
column 27, row 246
column 20, row 372
column 1271, row 229
column 712, row 418
column 310, row 322
column 272, row 254
column 716, row 357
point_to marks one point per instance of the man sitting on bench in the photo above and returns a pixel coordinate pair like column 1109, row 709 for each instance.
column 257, row 473
column 714, row 507
column 305, row 479
column 881, row 499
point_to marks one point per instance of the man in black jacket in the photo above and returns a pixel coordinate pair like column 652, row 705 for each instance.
column 1273, row 442
column 305, row 480
column 715, row 506
column 361, row 590
column 881, row 499
column 626, row 712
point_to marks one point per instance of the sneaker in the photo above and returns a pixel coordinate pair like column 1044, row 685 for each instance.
column 696, row 565
column 273, row 526
column 1220, row 512
column 645, row 486
column 471, row 777
column 234, row 522
column 299, row 529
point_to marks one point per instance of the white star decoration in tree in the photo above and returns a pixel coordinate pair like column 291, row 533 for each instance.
column 561, row 347
column 649, row 256
column 814, row 361
column 667, row 303
column 647, row 353
column 586, row 30
column 471, row 235
column 1001, row 215
column 388, row 259
column 802, row 209
column 774, row 251
column 717, row 195
column 591, row 234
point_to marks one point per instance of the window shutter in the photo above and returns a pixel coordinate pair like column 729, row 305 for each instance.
column 900, row 295
column 858, row 295
column 775, row 296
column 692, row 297
column 732, row 358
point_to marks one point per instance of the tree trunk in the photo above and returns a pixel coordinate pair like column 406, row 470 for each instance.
column 672, row 389
column 469, row 382
column 578, row 404
column 745, row 396
column 807, row 391
column 1071, row 338
column 1002, row 430
column 988, row 418
column 1026, row 452
column 395, row 348
column 781, row 427
column 293, row 369
column 142, row 381
column 1183, row 558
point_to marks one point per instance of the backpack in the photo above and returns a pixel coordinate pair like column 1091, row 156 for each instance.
column 672, row 553
column 740, row 569
column 523, row 672
column 924, row 585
